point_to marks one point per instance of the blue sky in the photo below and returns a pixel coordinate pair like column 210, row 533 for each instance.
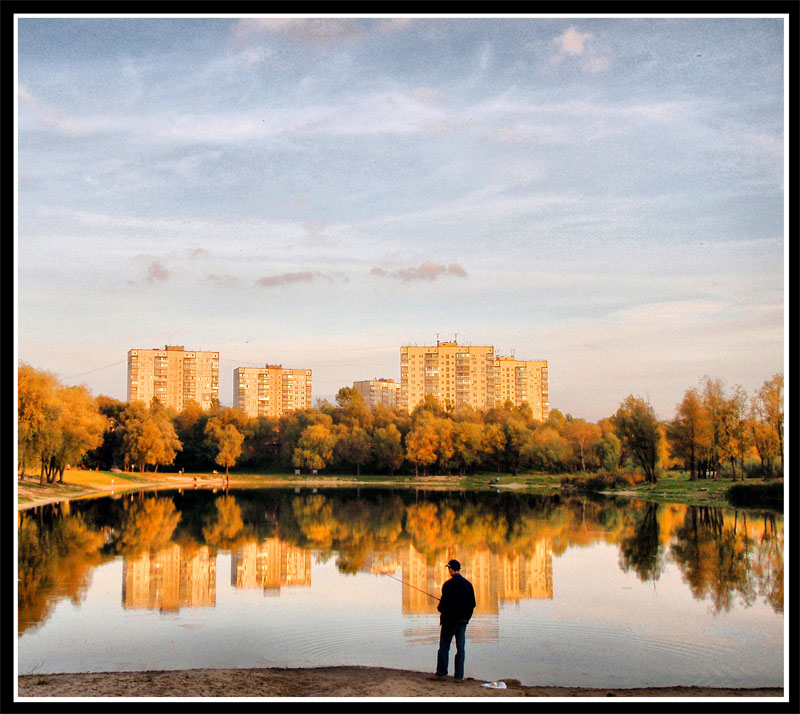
column 603, row 193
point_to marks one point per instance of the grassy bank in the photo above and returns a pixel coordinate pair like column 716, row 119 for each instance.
column 670, row 488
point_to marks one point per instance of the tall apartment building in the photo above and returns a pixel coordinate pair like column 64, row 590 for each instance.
column 520, row 381
column 458, row 374
column 378, row 391
column 174, row 376
column 271, row 391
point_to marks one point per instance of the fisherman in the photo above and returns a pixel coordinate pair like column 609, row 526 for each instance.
column 455, row 606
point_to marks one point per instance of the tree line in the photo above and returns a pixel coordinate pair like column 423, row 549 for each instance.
column 715, row 433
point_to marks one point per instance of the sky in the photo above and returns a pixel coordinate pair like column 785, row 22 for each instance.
column 603, row 193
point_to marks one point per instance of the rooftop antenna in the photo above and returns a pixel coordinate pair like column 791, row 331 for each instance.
column 437, row 338
column 456, row 337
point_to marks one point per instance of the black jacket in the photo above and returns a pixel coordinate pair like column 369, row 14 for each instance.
column 458, row 600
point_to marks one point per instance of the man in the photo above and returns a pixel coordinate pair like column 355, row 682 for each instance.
column 456, row 606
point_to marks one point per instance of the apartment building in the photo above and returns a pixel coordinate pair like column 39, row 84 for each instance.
column 473, row 375
column 378, row 391
column 522, row 381
column 272, row 390
column 174, row 376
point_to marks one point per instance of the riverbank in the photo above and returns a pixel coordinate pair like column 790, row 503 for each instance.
column 321, row 682
column 80, row 483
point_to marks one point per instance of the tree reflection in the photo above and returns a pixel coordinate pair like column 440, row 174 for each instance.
column 723, row 556
column 225, row 527
column 147, row 525
column 642, row 551
column 59, row 557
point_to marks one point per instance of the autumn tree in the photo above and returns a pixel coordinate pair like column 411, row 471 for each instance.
column 149, row 439
column 688, row 432
column 227, row 439
column 80, row 427
column 37, row 416
column 767, row 423
column 421, row 445
column 583, row 437
column 638, row 430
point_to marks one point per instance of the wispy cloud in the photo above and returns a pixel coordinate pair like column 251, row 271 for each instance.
column 582, row 46
column 319, row 32
column 225, row 281
column 427, row 271
column 156, row 272
column 269, row 281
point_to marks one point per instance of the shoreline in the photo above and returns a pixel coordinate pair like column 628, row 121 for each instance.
column 323, row 682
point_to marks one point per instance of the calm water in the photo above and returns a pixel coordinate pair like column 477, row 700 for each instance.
column 570, row 591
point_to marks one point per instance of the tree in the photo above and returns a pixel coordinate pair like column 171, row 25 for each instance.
column 227, row 439
column 549, row 450
column 314, row 448
column 80, row 427
column 354, row 448
column 688, row 434
column 149, row 439
column 583, row 437
column 352, row 410
column 37, row 414
column 421, row 444
column 767, row 422
column 638, row 430
column 609, row 449
column 387, row 445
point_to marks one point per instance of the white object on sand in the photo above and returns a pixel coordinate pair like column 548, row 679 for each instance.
column 495, row 685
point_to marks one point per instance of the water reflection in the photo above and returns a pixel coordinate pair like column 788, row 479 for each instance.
column 506, row 543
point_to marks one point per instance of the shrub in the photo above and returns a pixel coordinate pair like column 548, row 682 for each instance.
column 767, row 495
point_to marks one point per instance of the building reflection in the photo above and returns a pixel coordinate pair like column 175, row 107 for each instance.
column 170, row 579
column 178, row 576
column 497, row 578
column 270, row 565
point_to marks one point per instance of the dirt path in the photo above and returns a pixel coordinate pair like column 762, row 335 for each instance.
column 323, row 682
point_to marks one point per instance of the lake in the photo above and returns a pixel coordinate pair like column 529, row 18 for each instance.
column 571, row 591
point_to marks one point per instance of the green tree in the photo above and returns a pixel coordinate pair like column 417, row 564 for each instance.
column 638, row 429
column 387, row 445
column 314, row 448
column 354, row 448
column 609, row 450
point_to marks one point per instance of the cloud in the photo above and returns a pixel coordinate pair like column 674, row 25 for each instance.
column 47, row 114
column 285, row 279
column 226, row 281
column 320, row 32
column 426, row 271
column 574, row 44
column 156, row 272
column 572, row 41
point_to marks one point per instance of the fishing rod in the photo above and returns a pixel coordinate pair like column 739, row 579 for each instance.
column 411, row 586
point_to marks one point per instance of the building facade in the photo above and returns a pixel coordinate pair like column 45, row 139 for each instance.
column 473, row 375
column 378, row 391
column 174, row 376
column 271, row 391
column 523, row 381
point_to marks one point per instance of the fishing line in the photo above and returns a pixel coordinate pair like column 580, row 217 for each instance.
column 411, row 586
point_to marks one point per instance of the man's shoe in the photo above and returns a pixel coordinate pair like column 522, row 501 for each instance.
column 437, row 677
column 458, row 681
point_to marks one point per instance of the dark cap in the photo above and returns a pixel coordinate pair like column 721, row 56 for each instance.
column 454, row 565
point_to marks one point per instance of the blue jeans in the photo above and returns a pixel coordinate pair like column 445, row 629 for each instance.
column 450, row 630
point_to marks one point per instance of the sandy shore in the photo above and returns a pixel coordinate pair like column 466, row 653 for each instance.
column 321, row 682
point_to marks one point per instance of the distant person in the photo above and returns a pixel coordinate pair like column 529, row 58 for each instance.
column 456, row 606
